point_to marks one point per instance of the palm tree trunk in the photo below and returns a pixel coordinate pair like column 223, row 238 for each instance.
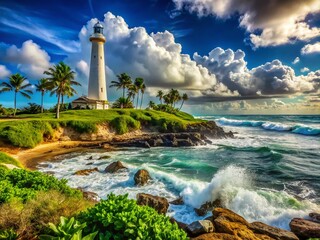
column 15, row 103
column 42, row 95
column 58, row 107
column 122, row 97
column 161, row 101
column 181, row 105
column 141, row 100
column 138, row 100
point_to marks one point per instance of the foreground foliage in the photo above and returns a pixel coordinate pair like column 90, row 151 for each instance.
column 5, row 159
column 121, row 218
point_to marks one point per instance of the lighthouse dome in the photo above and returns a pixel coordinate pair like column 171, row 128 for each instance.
column 98, row 28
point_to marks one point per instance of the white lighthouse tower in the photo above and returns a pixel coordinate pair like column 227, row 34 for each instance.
column 97, row 88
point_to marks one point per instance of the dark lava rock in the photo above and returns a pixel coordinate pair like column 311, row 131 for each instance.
column 114, row 167
column 208, row 206
column 178, row 201
column 304, row 228
column 85, row 172
column 181, row 225
column 274, row 232
column 90, row 158
column 104, row 157
column 315, row 216
column 160, row 204
column 141, row 177
column 199, row 227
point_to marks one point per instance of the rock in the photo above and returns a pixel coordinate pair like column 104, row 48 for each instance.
column 305, row 228
column 229, row 215
column 178, row 201
column 182, row 143
column 181, row 225
column 315, row 216
column 199, row 227
column 216, row 236
column 208, row 206
column 114, row 167
column 160, row 204
column 156, row 142
column 91, row 196
column 273, row 232
column 90, row 158
column 86, row 172
column 104, row 157
column 263, row 237
column 90, row 163
column 141, row 177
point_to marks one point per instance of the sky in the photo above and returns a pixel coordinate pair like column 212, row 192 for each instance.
column 229, row 56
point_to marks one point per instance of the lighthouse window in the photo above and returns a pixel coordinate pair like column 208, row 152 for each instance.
column 101, row 89
column 100, row 57
column 94, row 56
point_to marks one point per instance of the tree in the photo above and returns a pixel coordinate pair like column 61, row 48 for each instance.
column 43, row 88
column 124, row 81
column 160, row 95
column 138, row 82
column 151, row 105
column 184, row 98
column 132, row 91
column 142, row 89
column 17, row 83
column 122, row 103
column 60, row 81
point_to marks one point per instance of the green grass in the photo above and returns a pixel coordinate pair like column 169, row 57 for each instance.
column 28, row 130
column 5, row 159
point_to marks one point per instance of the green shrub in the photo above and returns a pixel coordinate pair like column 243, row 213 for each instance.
column 121, row 218
column 83, row 126
column 4, row 158
column 124, row 123
column 24, row 185
column 8, row 234
column 68, row 229
column 169, row 125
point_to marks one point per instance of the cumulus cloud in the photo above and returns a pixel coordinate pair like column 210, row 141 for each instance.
column 4, row 72
column 305, row 69
column 311, row 48
column 269, row 23
column 296, row 60
column 30, row 59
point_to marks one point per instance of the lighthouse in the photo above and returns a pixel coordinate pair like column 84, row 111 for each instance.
column 97, row 87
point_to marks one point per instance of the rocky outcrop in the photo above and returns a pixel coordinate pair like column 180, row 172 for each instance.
column 86, row 172
column 315, row 216
column 200, row 227
column 208, row 206
column 305, row 229
column 178, row 201
column 276, row 233
column 209, row 129
column 160, row 204
column 114, row 167
column 141, row 177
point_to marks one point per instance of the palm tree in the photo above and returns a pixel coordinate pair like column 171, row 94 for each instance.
column 18, row 85
column 184, row 98
column 151, row 104
column 60, row 81
column 132, row 91
column 160, row 95
column 124, row 81
column 123, row 103
column 138, row 82
column 42, row 87
column 142, row 89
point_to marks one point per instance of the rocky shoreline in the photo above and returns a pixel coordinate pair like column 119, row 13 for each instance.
column 224, row 224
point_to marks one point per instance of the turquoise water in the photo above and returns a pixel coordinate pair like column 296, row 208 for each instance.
column 269, row 172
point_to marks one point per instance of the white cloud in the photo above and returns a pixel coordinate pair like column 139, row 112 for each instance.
column 30, row 58
column 279, row 22
column 296, row 60
column 4, row 72
column 311, row 48
column 305, row 69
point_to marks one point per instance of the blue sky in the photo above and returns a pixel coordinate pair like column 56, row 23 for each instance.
column 272, row 64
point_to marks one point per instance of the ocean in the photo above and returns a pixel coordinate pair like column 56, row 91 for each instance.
column 270, row 171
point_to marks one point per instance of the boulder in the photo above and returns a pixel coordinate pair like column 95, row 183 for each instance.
column 304, row 228
column 90, row 158
column 216, row 236
column 181, row 225
column 86, row 172
column 199, row 227
column 104, row 157
column 315, row 216
column 114, row 167
column 178, row 201
column 160, row 204
column 91, row 196
column 208, row 206
column 229, row 215
column 273, row 232
column 141, row 177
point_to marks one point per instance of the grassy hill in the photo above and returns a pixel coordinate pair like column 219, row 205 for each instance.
column 28, row 130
